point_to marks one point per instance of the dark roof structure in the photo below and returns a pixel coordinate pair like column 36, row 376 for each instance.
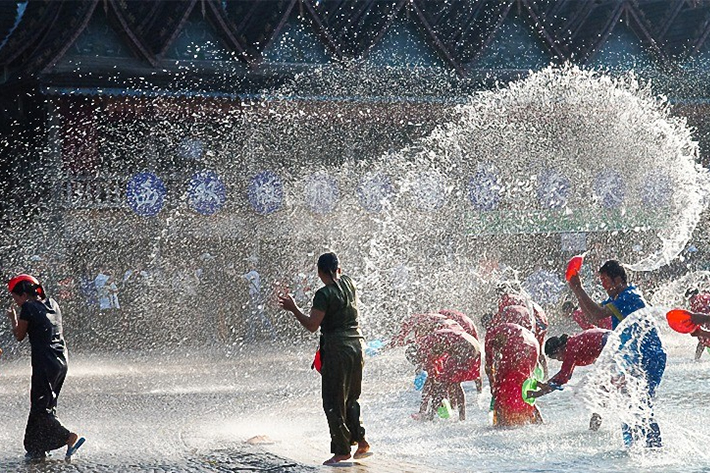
column 38, row 38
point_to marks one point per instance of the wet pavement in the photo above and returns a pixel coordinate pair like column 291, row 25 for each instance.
column 246, row 459
column 221, row 461
column 185, row 411
column 258, row 408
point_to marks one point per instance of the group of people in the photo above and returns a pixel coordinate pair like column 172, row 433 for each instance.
column 444, row 344
column 516, row 352
column 446, row 347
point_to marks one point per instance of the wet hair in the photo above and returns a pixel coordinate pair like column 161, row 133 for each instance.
column 554, row 345
column 613, row 269
column 329, row 264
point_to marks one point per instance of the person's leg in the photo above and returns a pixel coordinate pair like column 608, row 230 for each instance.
column 34, row 447
column 251, row 323
column 336, row 373
column 699, row 351
column 44, row 431
column 426, row 399
column 654, row 367
column 266, row 322
column 438, row 394
column 459, row 397
column 352, row 406
column 354, row 419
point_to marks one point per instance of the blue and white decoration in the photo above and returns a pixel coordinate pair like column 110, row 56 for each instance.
column 553, row 189
column 544, row 287
column 429, row 191
column 191, row 148
column 266, row 193
column 373, row 191
column 657, row 190
column 609, row 189
column 321, row 193
column 206, row 193
column 484, row 188
column 145, row 194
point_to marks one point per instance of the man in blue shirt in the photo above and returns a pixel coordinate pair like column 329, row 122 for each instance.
column 639, row 343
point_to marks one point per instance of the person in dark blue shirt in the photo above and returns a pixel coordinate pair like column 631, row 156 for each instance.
column 41, row 319
column 639, row 343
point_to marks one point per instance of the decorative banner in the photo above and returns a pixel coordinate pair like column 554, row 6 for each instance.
column 266, row 193
column 145, row 194
column 373, row 191
column 553, row 189
column 321, row 192
column 429, row 191
column 544, row 287
column 657, row 190
column 484, row 188
column 206, row 193
column 609, row 189
column 191, row 148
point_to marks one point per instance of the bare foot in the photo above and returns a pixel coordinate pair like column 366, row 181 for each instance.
column 336, row 459
column 363, row 450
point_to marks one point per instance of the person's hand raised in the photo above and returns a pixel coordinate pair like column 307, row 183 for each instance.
column 286, row 302
column 574, row 282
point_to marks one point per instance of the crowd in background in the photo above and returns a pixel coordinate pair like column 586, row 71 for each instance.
column 199, row 301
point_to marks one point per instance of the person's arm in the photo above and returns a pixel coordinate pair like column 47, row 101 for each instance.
column 557, row 381
column 595, row 312
column 311, row 321
column 700, row 333
column 19, row 327
column 542, row 389
column 698, row 318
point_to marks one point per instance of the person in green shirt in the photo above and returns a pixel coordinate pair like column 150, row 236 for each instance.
column 335, row 312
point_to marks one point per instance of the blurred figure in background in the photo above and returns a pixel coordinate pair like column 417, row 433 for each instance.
column 257, row 320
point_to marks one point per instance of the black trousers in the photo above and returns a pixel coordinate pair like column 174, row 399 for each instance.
column 341, row 386
column 44, row 431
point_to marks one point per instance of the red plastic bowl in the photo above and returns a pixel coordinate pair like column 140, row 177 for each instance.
column 573, row 267
column 679, row 320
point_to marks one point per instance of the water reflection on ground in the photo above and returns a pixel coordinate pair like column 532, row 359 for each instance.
column 194, row 411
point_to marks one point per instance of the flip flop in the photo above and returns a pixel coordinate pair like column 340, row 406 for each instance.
column 360, row 456
column 72, row 450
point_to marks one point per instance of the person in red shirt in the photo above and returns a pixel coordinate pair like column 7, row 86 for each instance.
column 447, row 355
column 511, row 356
column 581, row 349
column 699, row 302
column 540, row 322
column 469, row 327
column 416, row 326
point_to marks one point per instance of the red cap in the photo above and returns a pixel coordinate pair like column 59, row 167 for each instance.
column 21, row 277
